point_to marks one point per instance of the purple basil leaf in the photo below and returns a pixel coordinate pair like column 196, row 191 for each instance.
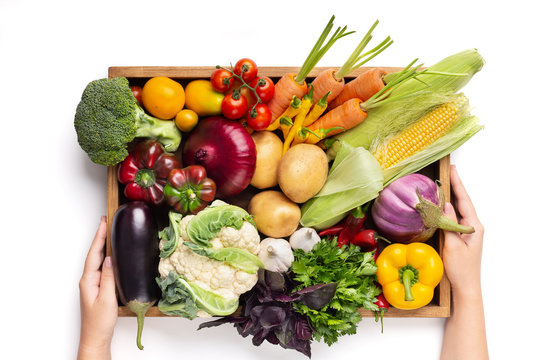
column 318, row 295
column 302, row 329
column 286, row 332
column 275, row 281
column 271, row 337
column 272, row 316
column 302, row 346
column 285, row 298
column 221, row 321
column 259, row 337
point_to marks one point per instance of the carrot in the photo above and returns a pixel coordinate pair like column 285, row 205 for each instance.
column 285, row 89
column 294, row 84
column 354, row 111
column 346, row 116
column 362, row 87
column 333, row 80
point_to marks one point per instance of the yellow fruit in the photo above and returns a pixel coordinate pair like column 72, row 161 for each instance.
column 201, row 98
column 186, row 120
column 163, row 97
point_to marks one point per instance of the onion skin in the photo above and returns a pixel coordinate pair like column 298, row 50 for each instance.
column 227, row 152
column 411, row 209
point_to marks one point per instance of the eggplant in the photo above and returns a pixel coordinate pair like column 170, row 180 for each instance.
column 135, row 258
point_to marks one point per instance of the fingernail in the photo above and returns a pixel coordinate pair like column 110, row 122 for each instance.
column 107, row 261
column 448, row 207
column 103, row 219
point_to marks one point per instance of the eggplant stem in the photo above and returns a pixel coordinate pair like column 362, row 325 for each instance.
column 446, row 223
column 140, row 309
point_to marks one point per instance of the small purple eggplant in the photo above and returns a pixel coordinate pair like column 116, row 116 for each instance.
column 411, row 209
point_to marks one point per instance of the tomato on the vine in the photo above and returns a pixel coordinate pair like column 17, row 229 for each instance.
column 259, row 117
column 222, row 80
column 265, row 88
column 234, row 105
column 250, row 73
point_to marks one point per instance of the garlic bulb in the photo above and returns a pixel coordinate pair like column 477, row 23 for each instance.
column 276, row 254
column 304, row 238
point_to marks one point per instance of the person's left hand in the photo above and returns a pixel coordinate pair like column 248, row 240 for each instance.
column 98, row 301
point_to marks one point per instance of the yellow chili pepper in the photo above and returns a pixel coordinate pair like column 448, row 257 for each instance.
column 408, row 274
column 291, row 111
column 317, row 111
column 306, row 103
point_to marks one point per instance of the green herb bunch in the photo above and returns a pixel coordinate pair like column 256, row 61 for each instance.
column 355, row 273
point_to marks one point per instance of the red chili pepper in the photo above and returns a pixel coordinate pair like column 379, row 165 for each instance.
column 144, row 172
column 383, row 307
column 333, row 230
column 353, row 224
column 367, row 240
column 189, row 189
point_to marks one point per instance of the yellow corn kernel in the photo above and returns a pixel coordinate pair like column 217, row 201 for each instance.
column 422, row 133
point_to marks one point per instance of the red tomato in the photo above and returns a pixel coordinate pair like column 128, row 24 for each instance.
column 137, row 92
column 265, row 88
column 234, row 106
column 244, row 91
column 259, row 117
column 221, row 80
column 250, row 73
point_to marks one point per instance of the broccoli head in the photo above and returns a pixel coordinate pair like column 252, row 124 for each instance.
column 109, row 117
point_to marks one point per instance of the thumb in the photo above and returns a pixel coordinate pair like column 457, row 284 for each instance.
column 107, row 281
column 451, row 238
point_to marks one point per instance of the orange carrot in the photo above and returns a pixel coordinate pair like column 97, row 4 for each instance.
column 354, row 111
column 333, row 80
column 362, row 87
column 294, row 84
column 346, row 116
column 327, row 81
column 285, row 89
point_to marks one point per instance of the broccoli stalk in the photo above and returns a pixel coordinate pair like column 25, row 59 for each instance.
column 108, row 118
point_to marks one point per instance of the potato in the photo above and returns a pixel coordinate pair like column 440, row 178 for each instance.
column 274, row 214
column 269, row 152
column 302, row 172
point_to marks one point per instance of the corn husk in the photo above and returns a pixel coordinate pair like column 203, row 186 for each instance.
column 394, row 115
column 356, row 179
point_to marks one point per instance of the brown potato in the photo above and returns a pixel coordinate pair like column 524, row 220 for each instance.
column 269, row 152
column 274, row 214
column 302, row 172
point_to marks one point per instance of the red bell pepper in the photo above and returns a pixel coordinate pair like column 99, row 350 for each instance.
column 189, row 189
column 144, row 172
column 333, row 230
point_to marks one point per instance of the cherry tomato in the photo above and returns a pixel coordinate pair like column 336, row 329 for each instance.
column 244, row 91
column 137, row 92
column 265, row 88
column 222, row 80
column 186, row 120
column 234, row 106
column 259, row 117
column 250, row 73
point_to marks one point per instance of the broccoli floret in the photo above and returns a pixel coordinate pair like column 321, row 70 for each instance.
column 109, row 117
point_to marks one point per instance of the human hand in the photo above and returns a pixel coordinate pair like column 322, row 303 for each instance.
column 462, row 253
column 98, row 300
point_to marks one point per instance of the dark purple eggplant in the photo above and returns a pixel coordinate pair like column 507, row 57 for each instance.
column 135, row 258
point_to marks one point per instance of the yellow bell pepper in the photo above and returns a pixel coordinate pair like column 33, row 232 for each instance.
column 408, row 274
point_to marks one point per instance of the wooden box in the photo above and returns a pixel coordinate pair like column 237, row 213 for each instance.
column 138, row 75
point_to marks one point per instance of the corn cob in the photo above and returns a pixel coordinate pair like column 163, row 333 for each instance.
column 422, row 133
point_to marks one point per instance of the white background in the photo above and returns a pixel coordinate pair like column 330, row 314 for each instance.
column 53, row 196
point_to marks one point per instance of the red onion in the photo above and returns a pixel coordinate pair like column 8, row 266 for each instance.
column 227, row 152
column 411, row 209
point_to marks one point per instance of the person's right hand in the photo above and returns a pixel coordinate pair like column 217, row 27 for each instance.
column 462, row 253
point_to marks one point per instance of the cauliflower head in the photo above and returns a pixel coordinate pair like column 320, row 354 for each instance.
column 213, row 275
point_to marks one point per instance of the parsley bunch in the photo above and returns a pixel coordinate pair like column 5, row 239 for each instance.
column 355, row 273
